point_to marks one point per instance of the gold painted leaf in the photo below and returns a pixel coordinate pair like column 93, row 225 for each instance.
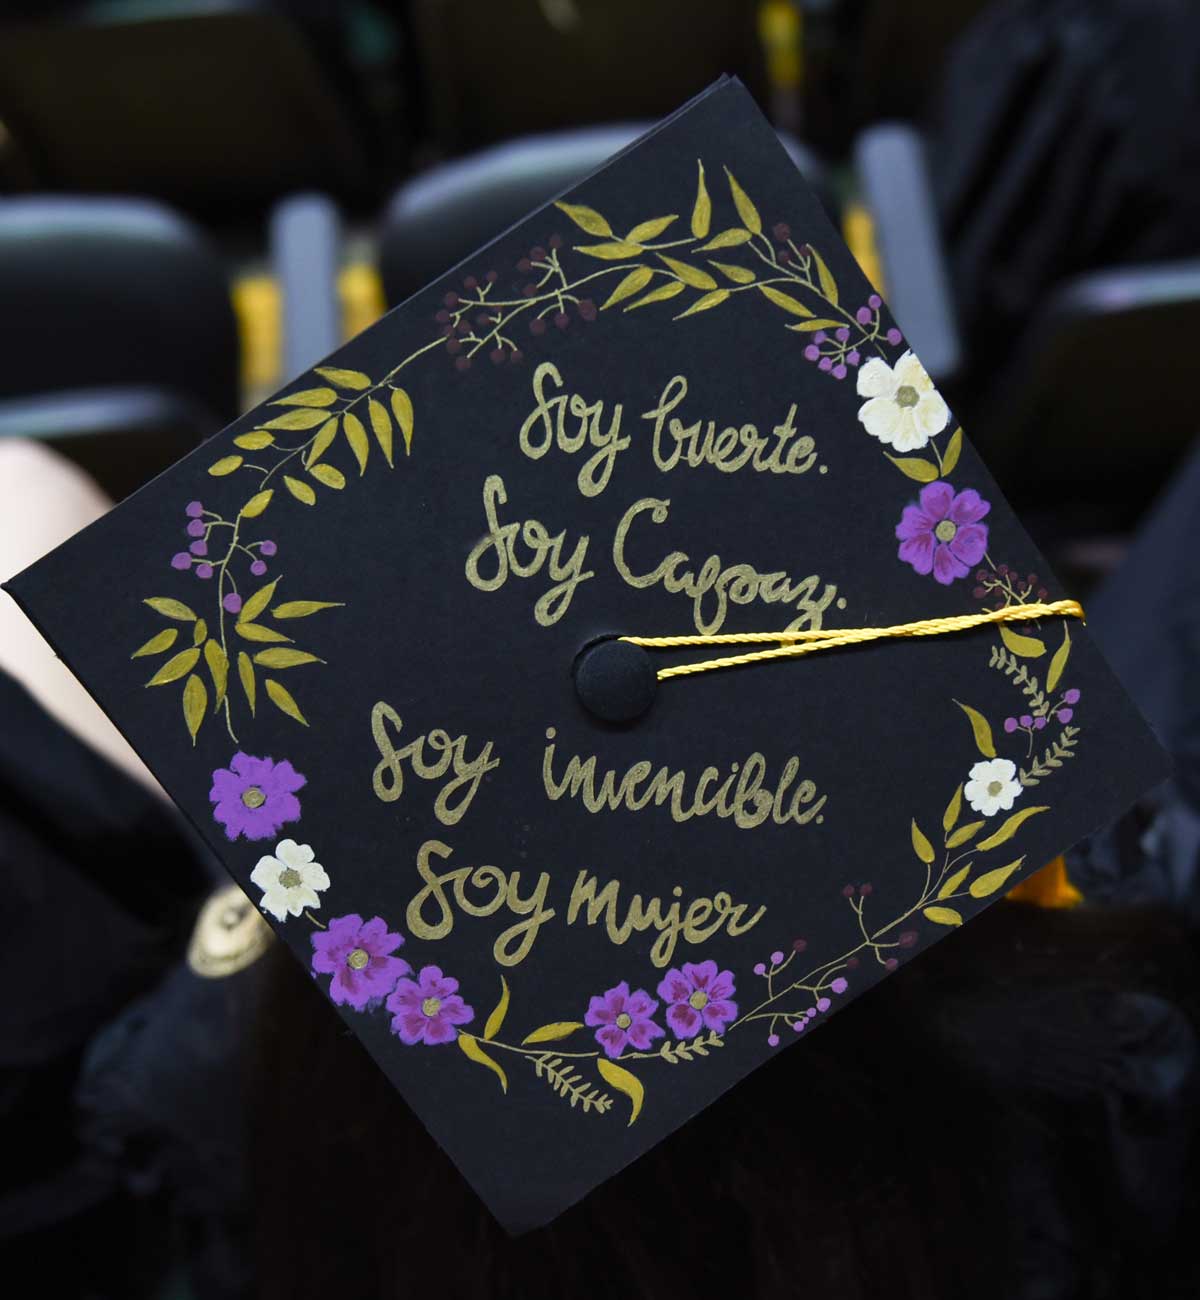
column 301, row 418
column 176, row 667
column 255, row 440
column 726, row 239
column 472, row 1050
column 308, row 397
column 327, row 474
column 1030, row 647
column 161, row 641
column 828, row 283
column 283, row 657
column 587, row 219
column 921, row 845
column 953, row 808
column 784, row 300
column 963, row 834
column 170, row 608
column 745, row 209
column 281, row 698
column 226, row 465
column 1059, row 662
column 551, row 1033
column 256, row 632
column 942, row 915
column 255, row 604
column 953, row 451
column 199, row 632
column 356, row 436
column 496, row 1019
column 321, row 442
column 953, row 882
column 246, row 673
column 609, row 252
column 924, row 471
column 703, row 304
column 645, row 230
column 402, row 409
column 381, row 427
column 1010, row 827
column 634, row 282
column 195, row 701
column 738, row 274
column 302, row 608
column 301, row 491
column 354, row 379
column 689, row 274
column 811, row 326
column 218, row 669
column 991, row 881
column 257, row 504
column 661, row 294
column 981, row 730
column 618, row 1078
column 702, row 208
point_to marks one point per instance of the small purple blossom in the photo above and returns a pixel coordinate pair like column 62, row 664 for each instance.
column 204, row 571
column 194, row 509
column 863, row 316
column 823, row 1004
column 195, row 528
column 357, row 954
column 1065, row 715
column 760, row 968
column 1026, row 720
column 840, row 985
column 820, row 336
column 623, row 1017
column 1039, row 723
column 254, row 797
column 181, row 560
column 943, row 534
column 427, row 1009
column 1071, row 696
column 232, row 603
column 853, row 357
column 699, row 996
column 875, row 302
column 1010, row 725
column 267, row 548
column 894, row 337
column 842, row 334
column 772, row 1040
column 839, row 371
column 199, row 548
column 825, row 363
column 258, row 568
column 812, row 353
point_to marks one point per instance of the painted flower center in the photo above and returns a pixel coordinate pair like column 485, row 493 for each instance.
column 945, row 531
column 253, row 797
column 624, row 1020
column 907, row 395
column 431, row 1006
column 289, row 878
column 358, row 959
column 699, row 1000
column 995, row 787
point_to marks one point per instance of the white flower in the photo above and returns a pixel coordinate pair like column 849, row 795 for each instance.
column 904, row 410
column 289, row 880
column 993, row 785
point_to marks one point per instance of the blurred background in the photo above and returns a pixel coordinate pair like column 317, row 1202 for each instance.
column 200, row 199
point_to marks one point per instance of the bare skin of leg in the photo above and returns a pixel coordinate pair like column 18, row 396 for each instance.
column 44, row 499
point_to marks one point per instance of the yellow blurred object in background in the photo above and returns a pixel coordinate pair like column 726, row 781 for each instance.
column 1050, row 887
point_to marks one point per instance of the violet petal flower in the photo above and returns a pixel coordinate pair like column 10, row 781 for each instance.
column 699, row 996
column 357, row 954
column 427, row 1009
column 942, row 535
column 622, row 1018
column 254, row 797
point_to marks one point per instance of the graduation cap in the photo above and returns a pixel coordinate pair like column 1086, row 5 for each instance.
column 606, row 667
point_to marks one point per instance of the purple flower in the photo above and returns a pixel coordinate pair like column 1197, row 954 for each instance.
column 623, row 1017
column 181, row 560
column 199, row 548
column 427, row 1009
column 1065, row 715
column 812, row 352
column 194, row 509
column 204, row 570
column 1010, row 725
column 875, row 302
column 232, row 603
column 254, row 797
column 267, row 548
column 853, row 357
column 841, row 334
column 839, row 985
column 258, row 568
column 1071, row 696
column 894, row 337
column 699, row 995
column 358, row 956
column 195, row 528
column 943, row 534
column 863, row 316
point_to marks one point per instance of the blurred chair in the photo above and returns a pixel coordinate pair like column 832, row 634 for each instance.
column 443, row 215
column 118, row 336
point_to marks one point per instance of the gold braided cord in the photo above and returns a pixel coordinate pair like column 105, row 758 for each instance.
column 789, row 645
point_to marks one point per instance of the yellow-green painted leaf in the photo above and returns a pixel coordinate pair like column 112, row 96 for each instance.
column 963, row 834
column 784, row 300
column 953, row 808
column 953, row 451
column 953, row 882
column 255, row 440
column 176, row 667
column 618, row 1078
column 587, row 219
column 551, row 1033
column 634, row 282
column 828, row 283
column 170, row 608
column 354, row 379
column 661, row 294
column 645, row 230
column 356, row 436
column 281, row 698
column 1059, row 662
column 195, row 701
column 991, row 881
column 496, row 1019
column 472, row 1050
column 218, row 669
column 981, row 730
column 308, row 397
column 161, row 641
column 702, row 208
column 942, row 915
column 246, row 674
column 689, row 274
column 745, row 209
column 226, row 465
column 609, row 252
column 921, row 845
column 199, row 632
column 302, row 608
column 284, row 657
column 301, row 491
column 257, row 632
column 738, row 274
column 811, row 326
column 402, row 409
column 726, row 239
column 924, row 471
column 704, row 303
column 257, row 503
column 254, row 605
column 381, row 427
column 322, row 440
column 1010, row 827
column 1029, row 647
column 327, row 474
column 301, row 418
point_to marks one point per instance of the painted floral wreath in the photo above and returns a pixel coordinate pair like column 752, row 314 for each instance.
column 942, row 534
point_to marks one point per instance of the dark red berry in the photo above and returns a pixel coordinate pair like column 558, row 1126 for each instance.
column 448, row 332
column 497, row 356
column 562, row 320
column 866, row 890
column 483, row 319
column 891, row 963
column 442, row 317
column 470, row 282
column 852, row 963
column 451, row 299
column 492, row 277
column 516, row 356
column 537, row 326
column 453, row 346
column 538, row 253
column 848, row 891
column 462, row 363
column 524, row 266
column 463, row 327
column 587, row 309
column 556, row 241
column 799, row 945
column 908, row 938
column 979, row 593
column 782, row 232
column 528, row 291
column 1042, row 593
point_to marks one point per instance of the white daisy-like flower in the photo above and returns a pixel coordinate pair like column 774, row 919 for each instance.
column 904, row 409
column 289, row 880
column 992, row 786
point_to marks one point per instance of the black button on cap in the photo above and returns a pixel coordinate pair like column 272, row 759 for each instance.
column 615, row 681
